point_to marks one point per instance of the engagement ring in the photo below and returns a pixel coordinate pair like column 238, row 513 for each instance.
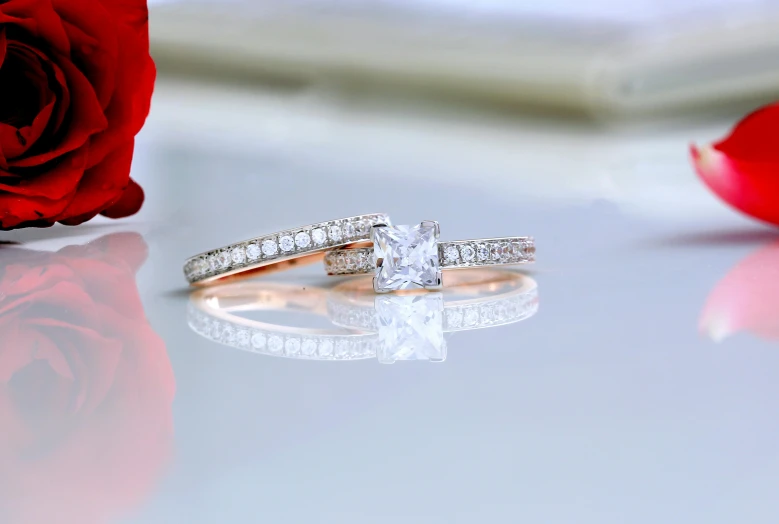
column 409, row 257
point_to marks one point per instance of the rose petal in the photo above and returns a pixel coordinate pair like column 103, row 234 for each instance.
column 130, row 104
column 14, row 142
column 750, row 187
column 128, row 204
column 746, row 299
column 39, row 20
column 55, row 184
column 35, row 202
column 86, row 119
column 94, row 42
column 135, row 13
column 100, row 187
column 49, row 75
column 755, row 138
column 28, row 103
column 743, row 169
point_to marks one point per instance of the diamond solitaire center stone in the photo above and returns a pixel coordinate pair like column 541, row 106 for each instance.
column 407, row 257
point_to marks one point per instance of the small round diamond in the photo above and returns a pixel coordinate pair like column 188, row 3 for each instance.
column 335, row 233
column 228, row 335
column 275, row 343
column 363, row 228
column 302, row 239
column 471, row 317
column 497, row 252
column 308, row 347
column 258, row 341
column 292, row 346
column 468, row 253
column 196, row 267
column 243, row 337
column 318, row 236
column 199, row 268
column 238, row 255
column 349, row 230
column 483, row 252
column 269, row 247
column 451, row 254
column 342, row 349
column 501, row 313
column 253, row 252
column 454, row 318
column 223, row 260
column 505, row 251
column 362, row 261
column 286, row 243
column 326, row 348
column 487, row 314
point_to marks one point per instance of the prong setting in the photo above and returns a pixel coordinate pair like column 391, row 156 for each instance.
column 434, row 224
column 373, row 231
column 377, row 286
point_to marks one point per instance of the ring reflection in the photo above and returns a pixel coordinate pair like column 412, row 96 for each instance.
column 364, row 325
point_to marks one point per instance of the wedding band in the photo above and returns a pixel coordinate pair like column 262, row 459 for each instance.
column 281, row 250
column 406, row 257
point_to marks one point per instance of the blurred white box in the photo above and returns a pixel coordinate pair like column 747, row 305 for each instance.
column 598, row 57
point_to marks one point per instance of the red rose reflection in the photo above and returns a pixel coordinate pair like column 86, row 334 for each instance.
column 77, row 81
column 85, row 384
column 743, row 169
column 747, row 299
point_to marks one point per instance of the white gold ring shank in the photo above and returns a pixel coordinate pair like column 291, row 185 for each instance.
column 462, row 254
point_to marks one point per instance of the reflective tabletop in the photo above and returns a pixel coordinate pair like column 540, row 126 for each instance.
column 628, row 376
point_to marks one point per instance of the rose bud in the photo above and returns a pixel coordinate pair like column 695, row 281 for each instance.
column 743, row 169
column 77, row 82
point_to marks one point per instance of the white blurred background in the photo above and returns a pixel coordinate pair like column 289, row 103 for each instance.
column 563, row 99
column 602, row 56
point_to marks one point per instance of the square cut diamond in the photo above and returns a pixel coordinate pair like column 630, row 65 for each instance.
column 407, row 257
column 411, row 327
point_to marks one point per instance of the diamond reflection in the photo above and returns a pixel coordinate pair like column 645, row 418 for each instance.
column 364, row 325
column 411, row 327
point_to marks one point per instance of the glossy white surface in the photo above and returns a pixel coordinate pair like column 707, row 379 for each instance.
column 643, row 391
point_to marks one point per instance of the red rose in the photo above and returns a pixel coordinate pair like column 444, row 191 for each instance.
column 77, row 82
column 746, row 299
column 743, row 169
column 86, row 388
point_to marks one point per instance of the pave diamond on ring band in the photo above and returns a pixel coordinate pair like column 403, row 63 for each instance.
column 406, row 257
column 281, row 249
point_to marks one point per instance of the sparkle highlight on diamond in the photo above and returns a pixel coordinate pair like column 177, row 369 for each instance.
column 408, row 257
